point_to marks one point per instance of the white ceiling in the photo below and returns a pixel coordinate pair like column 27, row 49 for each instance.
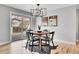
column 27, row 7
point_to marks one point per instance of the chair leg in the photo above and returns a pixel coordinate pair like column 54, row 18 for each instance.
column 45, row 42
column 41, row 45
column 52, row 42
column 49, row 46
column 26, row 44
column 32, row 46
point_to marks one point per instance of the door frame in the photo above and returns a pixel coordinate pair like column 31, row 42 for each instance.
column 23, row 15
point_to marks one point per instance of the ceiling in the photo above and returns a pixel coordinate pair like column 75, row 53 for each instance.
column 27, row 7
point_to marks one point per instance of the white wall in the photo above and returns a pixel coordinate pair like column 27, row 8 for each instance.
column 66, row 29
column 38, row 22
column 77, row 31
column 77, row 23
column 5, row 21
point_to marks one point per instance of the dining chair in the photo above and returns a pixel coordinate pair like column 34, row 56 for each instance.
column 28, row 36
column 34, row 41
column 51, row 37
column 45, row 30
column 45, row 37
column 31, row 39
column 45, row 40
column 45, row 43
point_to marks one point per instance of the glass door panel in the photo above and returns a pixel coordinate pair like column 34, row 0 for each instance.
column 19, row 25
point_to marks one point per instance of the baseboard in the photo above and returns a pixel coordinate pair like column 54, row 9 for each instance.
column 61, row 41
column 4, row 43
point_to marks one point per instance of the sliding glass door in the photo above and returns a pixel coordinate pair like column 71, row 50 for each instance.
column 19, row 25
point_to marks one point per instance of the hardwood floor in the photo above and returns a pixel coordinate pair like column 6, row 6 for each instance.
column 18, row 47
column 66, row 49
column 5, row 49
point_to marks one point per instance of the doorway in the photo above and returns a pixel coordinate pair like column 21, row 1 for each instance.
column 19, row 24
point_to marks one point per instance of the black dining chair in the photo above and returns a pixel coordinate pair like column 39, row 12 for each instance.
column 45, row 37
column 45, row 46
column 46, row 40
column 45, row 30
column 34, row 41
column 51, row 37
column 31, row 39
column 28, row 36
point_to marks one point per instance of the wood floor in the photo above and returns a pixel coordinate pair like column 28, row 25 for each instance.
column 18, row 47
column 64, row 48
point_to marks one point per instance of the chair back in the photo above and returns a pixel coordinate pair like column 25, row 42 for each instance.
column 52, row 35
column 45, row 36
column 45, row 30
column 28, row 35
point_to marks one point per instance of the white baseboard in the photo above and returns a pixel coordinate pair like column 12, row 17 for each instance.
column 61, row 41
column 3, row 43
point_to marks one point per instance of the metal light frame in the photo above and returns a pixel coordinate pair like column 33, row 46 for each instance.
column 39, row 11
